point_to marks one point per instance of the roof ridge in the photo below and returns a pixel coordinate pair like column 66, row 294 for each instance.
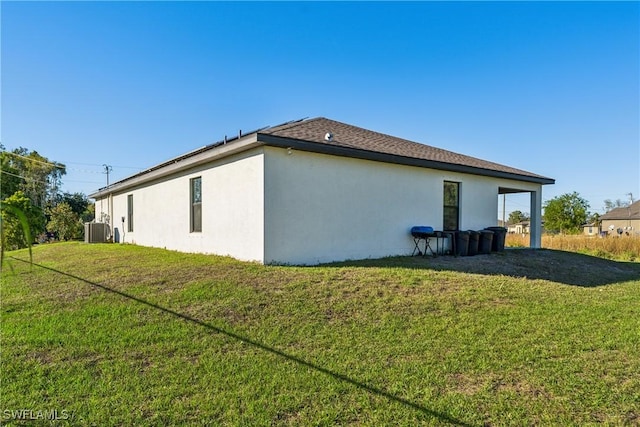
column 343, row 139
column 289, row 124
column 623, row 212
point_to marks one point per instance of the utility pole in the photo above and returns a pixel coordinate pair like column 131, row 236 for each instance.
column 107, row 169
column 630, row 197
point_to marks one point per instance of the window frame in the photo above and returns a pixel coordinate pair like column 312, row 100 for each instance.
column 130, row 213
column 450, row 212
column 195, row 208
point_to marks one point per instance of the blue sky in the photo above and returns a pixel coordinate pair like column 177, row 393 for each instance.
column 550, row 87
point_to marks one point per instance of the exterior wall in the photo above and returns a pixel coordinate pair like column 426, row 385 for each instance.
column 629, row 227
column 591, row 230
column 321, row 208
column 274, row 205
column 232, row 209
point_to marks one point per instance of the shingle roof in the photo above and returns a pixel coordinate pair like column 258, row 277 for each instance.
column 353, row 137
column 347, row 140
column 630, row 212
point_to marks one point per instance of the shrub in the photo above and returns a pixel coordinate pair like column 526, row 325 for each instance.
column 64, row 222
column 20, row 221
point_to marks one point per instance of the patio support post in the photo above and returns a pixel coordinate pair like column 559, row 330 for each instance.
column 535, row 227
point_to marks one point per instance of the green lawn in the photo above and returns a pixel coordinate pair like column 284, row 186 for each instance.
column 125, row 335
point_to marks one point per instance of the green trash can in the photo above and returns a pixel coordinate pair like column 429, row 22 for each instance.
column 462, row 243
column 474, row 240
column 486, row 240
column 499, row 234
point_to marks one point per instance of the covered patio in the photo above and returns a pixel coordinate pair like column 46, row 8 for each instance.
column 535, row 210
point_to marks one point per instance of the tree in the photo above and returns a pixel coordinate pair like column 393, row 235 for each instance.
column 64, row 221
column 34, row 175
column 593, row 218
column 517, row 216
column 9, row 175
column 77, row 201
column 12, row 227
column 609, row 205
column 89, row 213
column 80, row 205
column 27, row 174
column 565, row 213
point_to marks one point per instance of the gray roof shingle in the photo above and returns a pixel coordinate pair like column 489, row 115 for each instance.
column 356, row 138
column 628, row 212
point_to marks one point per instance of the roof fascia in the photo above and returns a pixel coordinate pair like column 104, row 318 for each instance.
column 277, row 141
column 178, row 164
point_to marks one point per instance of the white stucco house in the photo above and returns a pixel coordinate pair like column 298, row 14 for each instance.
column 310, row 191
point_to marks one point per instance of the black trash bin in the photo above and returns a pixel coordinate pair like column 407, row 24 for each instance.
column 499, row 234
column 486, row 240
column 474, row 238
column 462, row 243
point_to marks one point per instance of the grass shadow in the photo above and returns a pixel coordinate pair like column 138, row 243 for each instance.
column 439, row 416
column 569, row 268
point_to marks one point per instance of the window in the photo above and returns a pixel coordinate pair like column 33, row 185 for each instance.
column 451, row 215
column 196, row 205
column 130, row 213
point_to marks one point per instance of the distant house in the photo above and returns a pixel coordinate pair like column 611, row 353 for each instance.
column 310, row 191
column 519, row 228
column 624, row 221
column 592, row 229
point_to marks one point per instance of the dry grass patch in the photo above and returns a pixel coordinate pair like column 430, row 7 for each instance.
column 624, row 248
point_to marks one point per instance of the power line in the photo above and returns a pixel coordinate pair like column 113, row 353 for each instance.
column 55, row 165
column 84, row 170
column 83, row 182
column 93, row 164
column 62, row 165
column 23, row 177
column 43, row 182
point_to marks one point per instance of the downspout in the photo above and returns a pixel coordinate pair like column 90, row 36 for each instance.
column 111, row 214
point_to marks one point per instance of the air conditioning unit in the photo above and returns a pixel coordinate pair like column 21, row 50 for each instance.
column 96, row 232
